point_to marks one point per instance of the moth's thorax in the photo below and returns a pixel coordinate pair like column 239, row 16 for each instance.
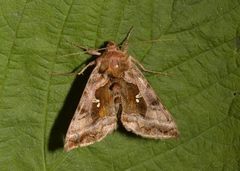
column 114, row 61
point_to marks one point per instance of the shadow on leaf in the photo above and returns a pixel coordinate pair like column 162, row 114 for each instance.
column 60, row 126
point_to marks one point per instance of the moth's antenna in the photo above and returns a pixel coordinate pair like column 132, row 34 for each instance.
column 89, row 51
column 72, row 54
column 124, row 44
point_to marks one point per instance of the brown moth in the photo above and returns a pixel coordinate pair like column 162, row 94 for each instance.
column 117, row 90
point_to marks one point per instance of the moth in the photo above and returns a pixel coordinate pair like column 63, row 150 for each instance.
column 117, row 91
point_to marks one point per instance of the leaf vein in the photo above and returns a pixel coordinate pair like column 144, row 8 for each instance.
column 49, row 85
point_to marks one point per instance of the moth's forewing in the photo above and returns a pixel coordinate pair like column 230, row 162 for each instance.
column 94, row 117
column 116, row 86
column 146, row 116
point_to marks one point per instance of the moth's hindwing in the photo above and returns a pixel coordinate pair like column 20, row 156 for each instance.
column 94, row 117
column 142, row 112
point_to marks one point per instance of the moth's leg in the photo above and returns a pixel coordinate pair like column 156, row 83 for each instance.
column 124, row 44
column 147, row 70
column 76, row 72
column 89, row 51
column 88, row 65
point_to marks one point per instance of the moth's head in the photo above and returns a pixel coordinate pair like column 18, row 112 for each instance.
column 112, row 46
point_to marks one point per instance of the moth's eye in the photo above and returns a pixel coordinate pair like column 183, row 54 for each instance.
column 111, row 44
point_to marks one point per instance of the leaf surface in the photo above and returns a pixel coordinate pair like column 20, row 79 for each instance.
column 196, row 42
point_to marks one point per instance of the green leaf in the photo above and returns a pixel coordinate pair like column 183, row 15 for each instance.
column 197, row 42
